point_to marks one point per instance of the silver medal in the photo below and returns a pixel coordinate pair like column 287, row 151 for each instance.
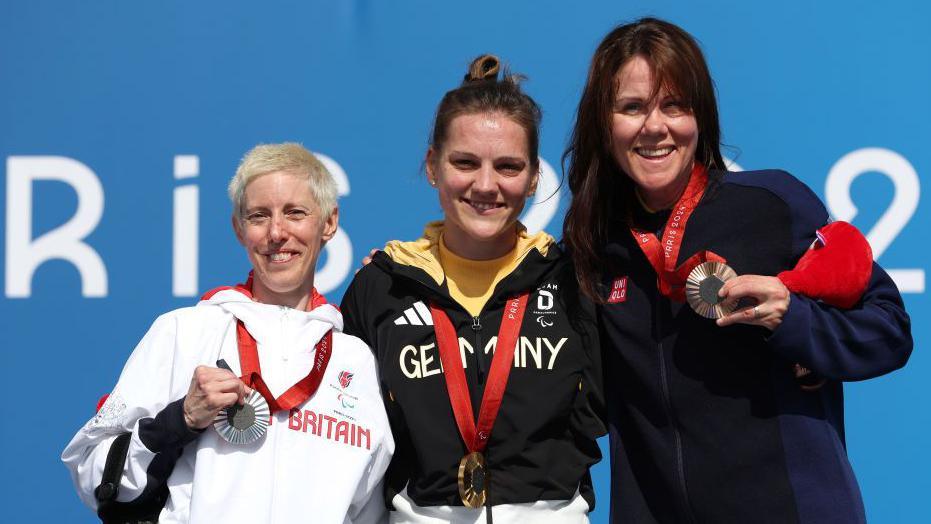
column 702, row 286
column 246, row 423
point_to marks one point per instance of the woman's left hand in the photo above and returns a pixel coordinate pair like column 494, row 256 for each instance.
column 769, row 294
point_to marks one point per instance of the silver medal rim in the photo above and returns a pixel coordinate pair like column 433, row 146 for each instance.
column 693, row 285
column 252, row 433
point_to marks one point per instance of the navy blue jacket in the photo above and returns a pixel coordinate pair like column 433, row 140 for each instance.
column 709, row 424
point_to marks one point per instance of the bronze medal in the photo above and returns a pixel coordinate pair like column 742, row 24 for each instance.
column 473, row 480
column 702, row 286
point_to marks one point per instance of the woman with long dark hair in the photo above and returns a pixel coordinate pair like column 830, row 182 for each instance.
column 724, row 392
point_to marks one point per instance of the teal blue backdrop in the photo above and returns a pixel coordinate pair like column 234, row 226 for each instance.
column 122, row 121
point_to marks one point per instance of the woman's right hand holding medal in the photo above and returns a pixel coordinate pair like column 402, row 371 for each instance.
column 767, row 297
column 211, row 391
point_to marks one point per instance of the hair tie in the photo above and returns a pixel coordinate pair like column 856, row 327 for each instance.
column 484, row 67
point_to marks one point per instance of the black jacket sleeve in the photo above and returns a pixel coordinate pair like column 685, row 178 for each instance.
column 354, row 310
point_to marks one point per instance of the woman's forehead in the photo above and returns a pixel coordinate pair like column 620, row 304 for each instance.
column 639, row 73
column 290, row 185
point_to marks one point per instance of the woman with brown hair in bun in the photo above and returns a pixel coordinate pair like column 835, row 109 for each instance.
column 724, row 392
column 488, row 363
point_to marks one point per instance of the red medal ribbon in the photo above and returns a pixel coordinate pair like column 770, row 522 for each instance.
column 475, row 435
column 316, row 299
column 249, row 356
column 296, row 394
column 663, row 255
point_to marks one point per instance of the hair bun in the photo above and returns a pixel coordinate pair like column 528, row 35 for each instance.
column 482, row 68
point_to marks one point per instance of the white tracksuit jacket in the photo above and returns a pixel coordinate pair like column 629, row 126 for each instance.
column 323, row 462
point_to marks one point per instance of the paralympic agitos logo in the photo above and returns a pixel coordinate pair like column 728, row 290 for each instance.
column 544, row 313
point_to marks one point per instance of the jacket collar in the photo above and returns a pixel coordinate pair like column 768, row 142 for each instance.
column 527, row 274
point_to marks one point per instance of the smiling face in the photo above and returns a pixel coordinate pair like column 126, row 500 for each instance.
column 283, row 232
column 483, row 174
column 653, row 139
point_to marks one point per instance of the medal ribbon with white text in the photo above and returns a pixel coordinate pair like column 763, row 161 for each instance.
column 249, row 356
column 663, row 255
column 296, row 394
column 475, row 435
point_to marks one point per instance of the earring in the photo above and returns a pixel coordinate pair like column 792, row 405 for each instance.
column 433, row 182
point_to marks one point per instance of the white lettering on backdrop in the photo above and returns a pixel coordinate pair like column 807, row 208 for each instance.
column 897, row 215
column 185, row 224
column 25, row 254
column 66, row 242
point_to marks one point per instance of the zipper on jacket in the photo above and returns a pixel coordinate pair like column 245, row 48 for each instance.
column 673, row 422
column 479, row 350
column 282, row 319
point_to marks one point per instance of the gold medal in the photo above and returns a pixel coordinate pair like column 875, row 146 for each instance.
column 473, row 480
column 702, row 286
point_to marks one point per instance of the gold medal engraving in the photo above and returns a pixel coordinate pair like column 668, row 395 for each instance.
column 702, row 286
column 473, row 480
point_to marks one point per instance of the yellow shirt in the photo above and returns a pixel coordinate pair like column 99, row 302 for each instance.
column 470, row 282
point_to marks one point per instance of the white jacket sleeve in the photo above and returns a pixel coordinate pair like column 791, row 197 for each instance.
column 368, row 502
column 145, row 401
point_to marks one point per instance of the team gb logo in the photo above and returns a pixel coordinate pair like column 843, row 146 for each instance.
column 345, row 378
